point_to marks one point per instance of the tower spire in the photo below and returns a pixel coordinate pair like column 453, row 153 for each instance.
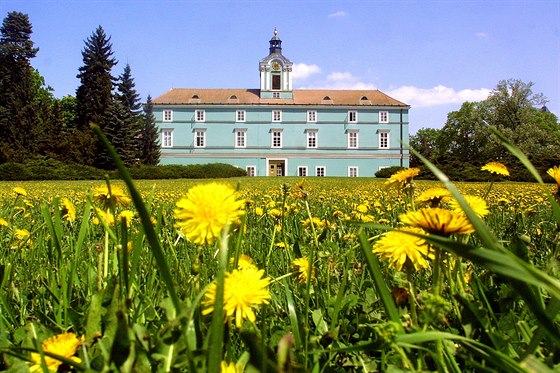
column 275, row 44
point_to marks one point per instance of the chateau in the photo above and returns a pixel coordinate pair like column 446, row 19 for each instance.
column 280, row 131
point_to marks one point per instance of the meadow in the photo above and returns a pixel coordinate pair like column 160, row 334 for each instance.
column 279, row 275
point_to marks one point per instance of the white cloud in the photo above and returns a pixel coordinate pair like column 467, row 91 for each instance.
column 481, row 35
column 338, row 14
column 302, row 71
column 340, row 80
column 439, row 95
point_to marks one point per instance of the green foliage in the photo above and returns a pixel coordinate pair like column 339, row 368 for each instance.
column 388, row 171
column 150, row 139
column 205, row 171
column 467, row 142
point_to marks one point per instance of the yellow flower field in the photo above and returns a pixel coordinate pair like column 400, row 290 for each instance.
column 332, row 274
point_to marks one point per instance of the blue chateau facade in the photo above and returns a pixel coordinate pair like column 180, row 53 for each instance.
column 279, row 131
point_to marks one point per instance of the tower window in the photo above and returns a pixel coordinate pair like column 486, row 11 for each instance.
column 276, row 81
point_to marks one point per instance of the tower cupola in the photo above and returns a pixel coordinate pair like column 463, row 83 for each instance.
column 276, row 72
column 275, row 44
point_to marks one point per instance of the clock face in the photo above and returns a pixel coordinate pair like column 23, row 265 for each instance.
column 276, row 65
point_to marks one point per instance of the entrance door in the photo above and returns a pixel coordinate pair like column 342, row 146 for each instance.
column 276, row 168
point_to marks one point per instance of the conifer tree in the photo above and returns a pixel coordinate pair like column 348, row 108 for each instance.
column 94, row 96
column 150, row 147
column 131, row 140
column 17, row 112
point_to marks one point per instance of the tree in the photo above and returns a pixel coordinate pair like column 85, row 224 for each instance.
column 130, row 100
column 17, row 87
column 150, row 143
column 424, row 142
column 95, row 94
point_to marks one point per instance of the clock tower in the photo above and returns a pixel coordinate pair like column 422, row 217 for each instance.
column 276, row 72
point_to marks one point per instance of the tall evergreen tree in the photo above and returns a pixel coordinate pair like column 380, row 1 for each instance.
column 150, row 143
column 17, row 88
column 95, row 94
column 130, row 100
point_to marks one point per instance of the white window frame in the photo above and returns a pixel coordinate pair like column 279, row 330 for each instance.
column 275, row 94
column 276, row 115
column 166, row 138
column 302, row 171
column 200, row 133
column 240, row 137
column 312, row 139
column 311, row 116
column 167, row 116
column 240, row 115
column 352, row 116
column 276, row 134
column 353, row 171
column 383, row 117
column 384, row 139
column 199, row 115
column 357, row 138
column 321, row 171
column 251, row 170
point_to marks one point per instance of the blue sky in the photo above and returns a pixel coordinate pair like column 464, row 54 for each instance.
column 433, row 55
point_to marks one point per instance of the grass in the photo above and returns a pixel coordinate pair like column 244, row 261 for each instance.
column 496, row 309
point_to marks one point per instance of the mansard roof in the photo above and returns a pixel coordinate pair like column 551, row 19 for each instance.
column 327, row 97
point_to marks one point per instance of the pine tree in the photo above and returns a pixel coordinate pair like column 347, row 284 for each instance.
column 132, row 133
column 150, row 143
column 94, row 96
column 17, row 112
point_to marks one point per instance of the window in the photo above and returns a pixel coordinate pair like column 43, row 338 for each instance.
column 200, row 138
column 276, row 138
column 240, row 138
column 311, row 138
column 199, row 116
column 352, row 171
column 302, row 171
column 320, row 171
column 312, row 116
column 275, row 94
column 168, row 115
column 352, row 116
column 383, row 117
column 166, row 138
column 276, row 115
column 353, row 139
column 240, row 116
column 383, row 139
column 276, row 81
column 251, row 170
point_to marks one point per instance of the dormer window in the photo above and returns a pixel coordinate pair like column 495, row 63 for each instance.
column 364, row 98
column 326, row 98
column 233, row 97
column 195, row 97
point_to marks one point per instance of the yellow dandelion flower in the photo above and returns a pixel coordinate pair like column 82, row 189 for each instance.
column 101, row 216
column 127, row 215
column 495, row 168
column 4, row 223
column 244, row 262
column 259, row 211
column 67, row 210
column 275, row 213
column 476, row 203
column 206, row 210
column 230, row 368
column 65, row 345
column 301, row 268
column 21, row 234
column 438, row 221
column 554, row 172
column 244, row 290
column 398, row 246
column 20, row 191
column 433, row 197
column 115, row 196
column 403, row 177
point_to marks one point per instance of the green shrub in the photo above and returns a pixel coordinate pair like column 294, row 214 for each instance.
column 388, row 171
column 11, row 171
